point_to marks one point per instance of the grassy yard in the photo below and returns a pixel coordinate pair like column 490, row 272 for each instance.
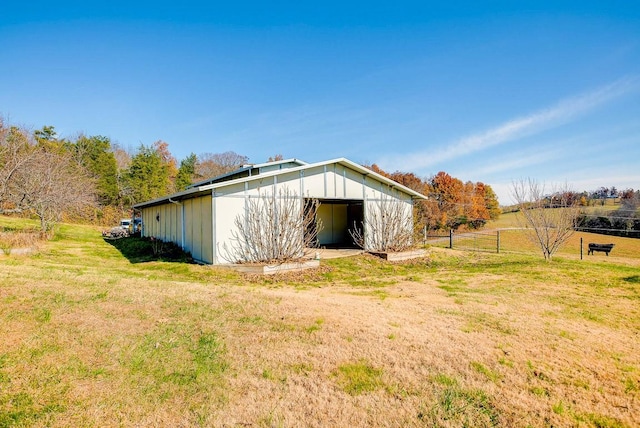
column 97, row 336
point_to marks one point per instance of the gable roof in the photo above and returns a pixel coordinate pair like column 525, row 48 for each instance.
column 248, row 168
column 206, row 188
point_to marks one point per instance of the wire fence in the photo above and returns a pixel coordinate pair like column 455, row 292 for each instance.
column 488, row 241
column 518, row 240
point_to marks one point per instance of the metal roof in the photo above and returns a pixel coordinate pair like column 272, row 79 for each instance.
column 204, row 189
column 243, row 168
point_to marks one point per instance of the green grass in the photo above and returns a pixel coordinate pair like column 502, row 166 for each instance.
column 459, row 406
column 114, row 328
column 359, row 377
column 486, row 371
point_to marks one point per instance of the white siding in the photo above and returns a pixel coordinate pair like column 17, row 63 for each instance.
column 314, row 183
column 231, row 206
column 376, row 198
column 209, row 222
column 163, row 222
column 227, row 208
column 198, row 231
column 353, row 184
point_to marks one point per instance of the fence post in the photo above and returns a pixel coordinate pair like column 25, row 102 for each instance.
column 425, row 236
column 450, row 238
column 581, row 248
column 498, row 242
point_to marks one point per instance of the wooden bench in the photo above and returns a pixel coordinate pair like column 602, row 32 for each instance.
column 606, row 248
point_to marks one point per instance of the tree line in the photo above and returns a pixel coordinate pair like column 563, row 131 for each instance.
column 90, row 179
column 621, row 221
column 613, row 212
column 451, row 204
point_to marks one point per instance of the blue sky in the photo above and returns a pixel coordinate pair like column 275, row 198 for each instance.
column 491, row 92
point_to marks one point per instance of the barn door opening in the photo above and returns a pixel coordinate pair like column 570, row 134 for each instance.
column 337, row 217
column 355, row 216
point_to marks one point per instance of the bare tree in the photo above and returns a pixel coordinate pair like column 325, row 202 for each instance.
column 549, row 220
column 388, row 226
column 16, row 150
column 275, row 228
column 34, row 179
column 122, row 155
column 51, row 184
column 213, row 164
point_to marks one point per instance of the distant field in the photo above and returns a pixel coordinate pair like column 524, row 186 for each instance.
column 93, row 338
column 516, row 241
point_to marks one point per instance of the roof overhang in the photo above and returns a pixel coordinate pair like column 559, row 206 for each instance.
column 209, row 188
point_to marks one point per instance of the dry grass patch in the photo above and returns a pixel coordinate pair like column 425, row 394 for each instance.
column 18, row 239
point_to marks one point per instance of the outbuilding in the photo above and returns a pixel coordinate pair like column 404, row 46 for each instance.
column 201, row 219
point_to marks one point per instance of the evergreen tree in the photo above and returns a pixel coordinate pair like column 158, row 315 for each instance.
column 95, row 155
column 47, row 139
column 148, row 176
column 186, row 172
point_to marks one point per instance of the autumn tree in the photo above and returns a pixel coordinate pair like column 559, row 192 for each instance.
column 450, row 204
column 447, row 193
column 630, row 200
column 490, row 201
column 425, row 213
column 168, row 162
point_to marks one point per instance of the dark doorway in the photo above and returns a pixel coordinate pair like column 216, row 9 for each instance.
column 338, row 216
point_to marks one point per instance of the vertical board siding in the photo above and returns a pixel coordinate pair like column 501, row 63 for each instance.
column 196, row 226
column 228, row 207
column 188, row 226
column 203, row 225
column 207, row 230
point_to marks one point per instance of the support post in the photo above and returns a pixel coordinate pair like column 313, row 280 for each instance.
column 450, row 238
column 581, row 248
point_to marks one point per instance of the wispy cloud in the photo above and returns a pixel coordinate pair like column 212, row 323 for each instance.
column 563, row 112
column 518, row 161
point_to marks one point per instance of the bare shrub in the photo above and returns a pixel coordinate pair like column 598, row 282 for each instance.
column 388, row 226
column 275, row 228
column 549, row 220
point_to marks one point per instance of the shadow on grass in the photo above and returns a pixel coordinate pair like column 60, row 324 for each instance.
column 142, row 250
column 634, row 279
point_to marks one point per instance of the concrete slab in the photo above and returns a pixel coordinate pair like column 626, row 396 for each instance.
column 331, row 253
column 265, row 269
column 401, row 255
